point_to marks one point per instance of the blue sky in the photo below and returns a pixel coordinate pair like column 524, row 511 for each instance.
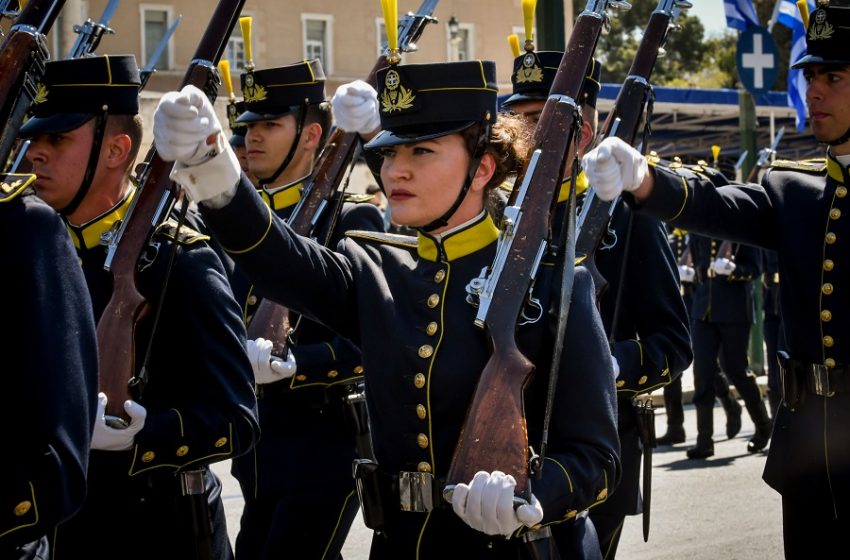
column 710, row 12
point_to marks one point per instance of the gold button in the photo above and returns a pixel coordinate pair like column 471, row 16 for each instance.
column 841, row 192
column 148, row 457
column 421, row 412
column 433, row 300
column 425, row 351
column 830, row 238
column 828, row 341
column 182, row 450
column 422, row 440
column 301, row 377
column 602, row 495
column 440, row 276
column 252, row 300
column 431, row 329
column 829, row 362
column 423, row 467
column 333, row 373
column 826, row 315
column 221, row 442
column 620, row 383
column 23, row 507
column 419, row 380
column 835, row 213
column 358, row 370
column 828, row 265
column 642, row 379
column 826, row 288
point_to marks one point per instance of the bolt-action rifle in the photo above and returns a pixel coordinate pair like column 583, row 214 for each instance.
column 90, row 32
column 116, row 328
column 765, row 157
column 494, row 435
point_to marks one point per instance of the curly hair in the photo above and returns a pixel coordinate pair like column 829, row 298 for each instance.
column 510, row 139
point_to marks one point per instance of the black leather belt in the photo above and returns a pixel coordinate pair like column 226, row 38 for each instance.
column 381, row 492
column 816, row 379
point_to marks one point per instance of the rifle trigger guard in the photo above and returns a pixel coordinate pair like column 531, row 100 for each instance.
column 612, row 236
column 149, row 255
column 533, row 303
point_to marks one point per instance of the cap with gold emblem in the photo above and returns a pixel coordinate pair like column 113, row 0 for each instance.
column 273, row 92
column 237, row 129
column 423, row 101
column 74, row 91
column 828, row 35
column 534, row 72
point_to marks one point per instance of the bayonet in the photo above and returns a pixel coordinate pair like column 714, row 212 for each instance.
column 90, row 33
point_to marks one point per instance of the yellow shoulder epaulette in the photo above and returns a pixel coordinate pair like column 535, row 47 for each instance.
column 13, row 184
column 357, row 198
column 406, row 241
column 187, row 235
column 815, row 166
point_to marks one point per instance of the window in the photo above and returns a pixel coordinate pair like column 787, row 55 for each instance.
column 462, row 46
column 318, row 30
column 381, row 35
column 155, row 22
column 235, row 52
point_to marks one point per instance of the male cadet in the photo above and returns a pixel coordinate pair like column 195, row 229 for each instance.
column 48, row 401
column 297, row 483
column 801, row 211
column 651, row 337
column 196, row 404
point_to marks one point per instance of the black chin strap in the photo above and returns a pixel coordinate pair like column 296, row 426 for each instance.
column 480, row 148
column 302, row 116
column 94, row 156
column 842, row 139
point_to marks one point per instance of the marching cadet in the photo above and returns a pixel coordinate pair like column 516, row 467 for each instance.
column 297, row 482
column 195, row 405
column 651, row 339
column 405, row 300
column 800, row 211
column 48, row 402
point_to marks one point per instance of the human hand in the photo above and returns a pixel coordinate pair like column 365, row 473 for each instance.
column 107, row 438
column 186, row 128
column 614, row 167
column 723, row 266
column 355, row 108
column 487, row 504
column 686, row 273
column 268, row 368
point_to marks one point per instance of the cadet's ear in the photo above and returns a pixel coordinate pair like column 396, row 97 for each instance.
column 586, row 137
column 117, row 148
column 312, row 136
column 485, row 171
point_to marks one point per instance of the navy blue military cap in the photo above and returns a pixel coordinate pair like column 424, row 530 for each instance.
column 534, row 72
column 237, row 129
column 74, row 91
column 828, row 36
column 273, row 92
column 423, row 101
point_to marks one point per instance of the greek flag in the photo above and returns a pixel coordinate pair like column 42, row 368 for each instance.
column 789, row 16
column 740, row 14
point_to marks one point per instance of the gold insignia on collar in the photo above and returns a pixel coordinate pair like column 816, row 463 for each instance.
column 529, row 72
column 820, row 29
column 395, row 96
column 253, row 92
column 40, row 94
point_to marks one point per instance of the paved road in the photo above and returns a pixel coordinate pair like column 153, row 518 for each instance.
column 701, row 510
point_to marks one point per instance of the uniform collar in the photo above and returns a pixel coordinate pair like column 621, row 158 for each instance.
column 581, row 186
column 835, row 168
column 89, row 234
column 282, row 197
column 460, row 241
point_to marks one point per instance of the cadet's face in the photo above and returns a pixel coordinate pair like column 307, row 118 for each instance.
column 267, row 144
column 826, row 96
column 59, row 162
column 530, row 110
column 423, row 179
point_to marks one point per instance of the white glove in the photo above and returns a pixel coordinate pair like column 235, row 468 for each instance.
column 182, row 125
column 613, row 167
column 686, row 273
column 355, row 108
column 487, row 504
column 268, row 368
column 107, row 438
column 616, row 365
column 723, row 266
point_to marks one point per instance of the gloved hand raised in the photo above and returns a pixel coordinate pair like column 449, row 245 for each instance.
column 355, row 108
column 186, row 128
column 487, row 504
column 268, row 368
column 614, row 167
column 686, row 273
column 723, row 266
column 107, row 438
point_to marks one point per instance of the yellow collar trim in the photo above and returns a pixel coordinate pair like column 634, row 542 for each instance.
column 284, row 198
column 460, row 241
column 581, row 186
column 834, row 168
column 89, row 235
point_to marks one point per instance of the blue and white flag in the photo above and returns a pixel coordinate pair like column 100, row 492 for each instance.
column 790, row 17
column 740, row 14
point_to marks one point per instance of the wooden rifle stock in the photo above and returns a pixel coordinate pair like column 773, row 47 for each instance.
column 23, row 55
column 494, row 435
column 116, row 327
column 624, row 122
column 271, row 320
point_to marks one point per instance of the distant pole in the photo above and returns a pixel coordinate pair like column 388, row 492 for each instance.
column 747, row 127
column 550, row 25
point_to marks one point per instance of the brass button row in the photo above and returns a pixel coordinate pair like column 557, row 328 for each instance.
column 841, row 192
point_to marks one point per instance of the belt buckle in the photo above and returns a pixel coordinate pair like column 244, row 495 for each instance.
column 416, row 491
column 820, row 380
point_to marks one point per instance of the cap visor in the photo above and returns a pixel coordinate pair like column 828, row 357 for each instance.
column 810, row 59
column 416, row 133
column 62, row 122
column 251, row 116
column 517, row 97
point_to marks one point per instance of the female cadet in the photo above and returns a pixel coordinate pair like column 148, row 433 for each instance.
column 404, row 301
